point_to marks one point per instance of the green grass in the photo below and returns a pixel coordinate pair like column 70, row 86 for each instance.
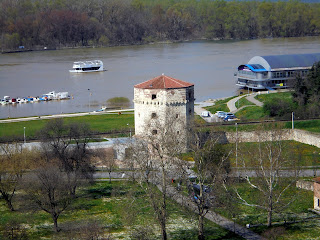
column 220, row 105
column 308, row 155
column 251, row 113
column 297, row 210
column 97, row 123
column 310, row 125
column 243, row 102
column 116, row 208
column 271, row 96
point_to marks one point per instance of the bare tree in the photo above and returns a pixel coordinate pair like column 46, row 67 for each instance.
column 68, row 143
column 49, row 189
column 13, row 164
column 212, row 167
column 273, row 172
column 106, row 159
column 155, row 155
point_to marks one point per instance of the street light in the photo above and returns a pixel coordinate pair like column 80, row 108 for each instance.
column 292, row 120
column 130, row 129
column 89, row 98
column 24, row 134
column 236, row 145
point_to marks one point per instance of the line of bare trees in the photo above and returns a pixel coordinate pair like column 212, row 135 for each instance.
column 214, row 184
column 50, row 176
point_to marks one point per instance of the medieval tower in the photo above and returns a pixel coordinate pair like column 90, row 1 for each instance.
column 164, row 100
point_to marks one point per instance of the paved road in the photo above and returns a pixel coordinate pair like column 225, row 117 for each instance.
column 63, row 116
column 199, row 108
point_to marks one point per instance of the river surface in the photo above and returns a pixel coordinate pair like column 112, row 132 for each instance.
column 210, row 65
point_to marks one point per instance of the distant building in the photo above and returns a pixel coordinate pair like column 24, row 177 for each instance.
column 272, row 72
column 316, row 192
column 160, row 99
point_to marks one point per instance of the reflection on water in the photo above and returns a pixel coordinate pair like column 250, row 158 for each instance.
column 209, row 65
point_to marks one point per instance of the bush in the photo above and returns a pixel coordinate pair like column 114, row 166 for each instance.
column 116, row 102
column 278, row 107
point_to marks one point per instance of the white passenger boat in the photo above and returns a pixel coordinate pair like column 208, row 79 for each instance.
column 87, row 66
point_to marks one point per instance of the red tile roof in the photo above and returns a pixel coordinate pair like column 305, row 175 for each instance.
column 163, row 82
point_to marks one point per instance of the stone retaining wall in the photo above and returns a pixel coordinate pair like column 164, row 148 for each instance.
column 256, row 136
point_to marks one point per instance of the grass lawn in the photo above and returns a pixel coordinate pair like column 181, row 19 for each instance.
column 297, row 211
column 97, row 123
column 308, row 154
column 251, row 113
column 309, row 125
column 243, row 102
column 220, row 105
column 119, row 209
column 271, row 96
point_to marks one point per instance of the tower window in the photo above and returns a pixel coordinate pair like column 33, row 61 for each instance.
column 177, row 115
column 154, row 132
column 153, row 115
column 154, row 96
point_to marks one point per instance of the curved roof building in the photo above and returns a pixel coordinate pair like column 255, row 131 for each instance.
column 275, row 71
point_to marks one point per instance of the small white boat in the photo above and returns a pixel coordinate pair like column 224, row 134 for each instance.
column 87, row 66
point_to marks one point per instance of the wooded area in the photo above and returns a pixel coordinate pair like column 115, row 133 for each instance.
column 36, row 24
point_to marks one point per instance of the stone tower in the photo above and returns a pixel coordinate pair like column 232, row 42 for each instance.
column 160, row 99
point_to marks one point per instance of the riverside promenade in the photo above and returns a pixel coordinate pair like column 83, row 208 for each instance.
column 63, row 115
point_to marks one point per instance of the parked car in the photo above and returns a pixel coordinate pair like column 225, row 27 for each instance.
column 230, row 117
column 221, row 114
column 205, row 114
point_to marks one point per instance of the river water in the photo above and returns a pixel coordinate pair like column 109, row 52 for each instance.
column 210, row 65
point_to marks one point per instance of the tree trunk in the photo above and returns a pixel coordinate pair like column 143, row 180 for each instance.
column 269, row 217
column 8, row 200
column 163, row 231
column 200, row 228
column 55, row 223
column 164, row 205
column 10, row 206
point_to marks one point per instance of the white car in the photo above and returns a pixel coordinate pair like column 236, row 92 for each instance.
column 221, row 114
column 205, row 114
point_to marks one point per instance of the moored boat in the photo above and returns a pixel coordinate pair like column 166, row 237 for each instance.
column 87, row 66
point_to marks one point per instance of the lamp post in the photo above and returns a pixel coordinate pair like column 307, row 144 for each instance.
column 24, row 135
column 89, row 98
column 292, row 120
column 236, row 145
column 130, row 129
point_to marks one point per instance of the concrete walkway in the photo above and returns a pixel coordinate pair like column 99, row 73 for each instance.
column 232, row 104
column 253, row 100
column 63, row 115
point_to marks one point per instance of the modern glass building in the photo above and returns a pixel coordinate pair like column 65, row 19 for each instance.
column 272, row 72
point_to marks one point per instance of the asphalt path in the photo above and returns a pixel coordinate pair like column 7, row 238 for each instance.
column 199, row 107
column 64, row 115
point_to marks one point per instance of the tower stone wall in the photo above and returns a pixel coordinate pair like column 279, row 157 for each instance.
column 164, row 104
